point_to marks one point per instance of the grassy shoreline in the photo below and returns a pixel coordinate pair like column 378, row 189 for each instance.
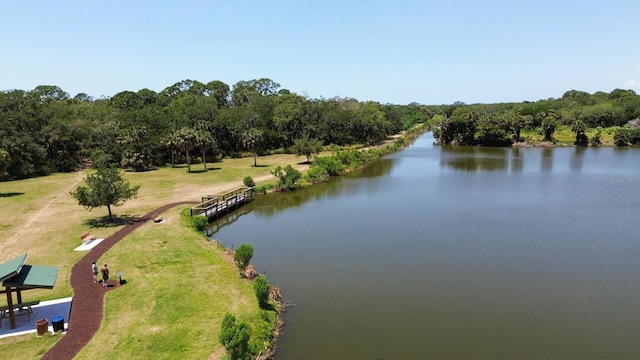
column 177, row 282
column 39, row 217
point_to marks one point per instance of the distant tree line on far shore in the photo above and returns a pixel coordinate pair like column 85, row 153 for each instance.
column 44, row 130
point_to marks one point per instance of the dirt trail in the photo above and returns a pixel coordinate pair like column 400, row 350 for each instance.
column 42, row 213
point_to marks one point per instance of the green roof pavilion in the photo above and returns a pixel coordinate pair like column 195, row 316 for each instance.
column 16, row 276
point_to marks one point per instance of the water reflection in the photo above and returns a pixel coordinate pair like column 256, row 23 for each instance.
column 228, row 219
column 271, row 204
column 516, row 159
column 482, row 265
column 546, row 160
column 474, row 158
column 577, row 158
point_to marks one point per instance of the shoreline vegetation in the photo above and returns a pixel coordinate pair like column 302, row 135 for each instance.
column 392, row 144
column 45, row 130
column 37, row 205
column 193, row 139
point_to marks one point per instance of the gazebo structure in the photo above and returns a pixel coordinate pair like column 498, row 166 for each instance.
column 16, row 277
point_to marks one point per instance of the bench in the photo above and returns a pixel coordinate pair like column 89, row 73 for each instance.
column 86, row 237
column 157, row 218
column 23, row 309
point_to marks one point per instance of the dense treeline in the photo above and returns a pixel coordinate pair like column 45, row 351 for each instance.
column 45, row 130
column 501, row 124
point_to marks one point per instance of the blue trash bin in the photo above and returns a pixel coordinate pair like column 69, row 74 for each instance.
column 57, row 323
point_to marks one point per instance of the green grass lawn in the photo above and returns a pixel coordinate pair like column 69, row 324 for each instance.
column 563, row 136
column 179, row 286
column 178, row 289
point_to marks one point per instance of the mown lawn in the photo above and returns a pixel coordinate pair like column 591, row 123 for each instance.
column 179, row 286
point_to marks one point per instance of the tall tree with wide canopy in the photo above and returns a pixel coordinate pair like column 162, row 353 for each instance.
column 105, row 187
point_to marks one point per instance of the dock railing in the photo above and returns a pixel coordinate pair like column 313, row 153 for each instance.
column 212, row 206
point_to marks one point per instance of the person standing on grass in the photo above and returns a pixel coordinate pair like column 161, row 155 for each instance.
column 94, row 269
column 105, row 275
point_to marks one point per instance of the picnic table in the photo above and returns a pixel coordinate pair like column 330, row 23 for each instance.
column 22, row 308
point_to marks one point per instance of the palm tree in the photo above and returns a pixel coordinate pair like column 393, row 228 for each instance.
column 579, row 127
column 549, row 124
column 203, row 141
column 252, row 141
column 170, row 141
column 136, row 155
column 186, row 142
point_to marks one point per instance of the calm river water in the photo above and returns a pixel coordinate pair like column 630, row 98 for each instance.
column 457, row 253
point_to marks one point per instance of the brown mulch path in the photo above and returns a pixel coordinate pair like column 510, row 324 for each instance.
column 87, row 306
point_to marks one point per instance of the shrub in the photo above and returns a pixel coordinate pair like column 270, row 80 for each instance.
column 248, row 181
column 595, row 140
column 288, row 177
column 317, row 174
column 234, row 336
column 622, row 136
column 331, row 164
column 261, row 288
column 262, row 331
column 635, row 136
column 243, row 256
column 200, row 222
column 262, row 189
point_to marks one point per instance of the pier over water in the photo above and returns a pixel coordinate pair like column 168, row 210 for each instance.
column 214, row 206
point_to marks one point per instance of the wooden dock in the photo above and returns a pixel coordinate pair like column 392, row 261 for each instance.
column 214, row 206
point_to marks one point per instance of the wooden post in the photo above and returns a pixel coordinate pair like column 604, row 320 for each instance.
column 12, row 317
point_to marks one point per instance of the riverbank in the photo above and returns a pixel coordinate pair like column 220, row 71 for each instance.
column 39, row 217
column 389, row 145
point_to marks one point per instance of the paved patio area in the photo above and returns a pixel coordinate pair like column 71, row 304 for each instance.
column 45, row 310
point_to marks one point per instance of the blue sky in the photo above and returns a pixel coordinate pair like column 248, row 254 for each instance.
column 430, row 52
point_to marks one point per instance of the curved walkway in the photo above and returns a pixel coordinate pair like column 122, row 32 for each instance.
column 87, row 306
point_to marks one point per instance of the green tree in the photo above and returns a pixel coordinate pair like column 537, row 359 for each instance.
column 137, row 153
column 595, row 140
column 548, row 127
column 307, row 147
column 234, row 336
column 243, row 256
column 252, row 140
column 203, row 141
column 288, row 117
column 5, row 159
column 105, row 187
column 248, row 181
column 622, row 136
column 493, row 131
column 170, row 141
column 288, row 177
column 517, row 122
column 579, row 127
column 187, row 142
column 261, row 287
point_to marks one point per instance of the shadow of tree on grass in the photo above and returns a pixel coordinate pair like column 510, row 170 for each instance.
column 105, row 222
column 10, row 194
